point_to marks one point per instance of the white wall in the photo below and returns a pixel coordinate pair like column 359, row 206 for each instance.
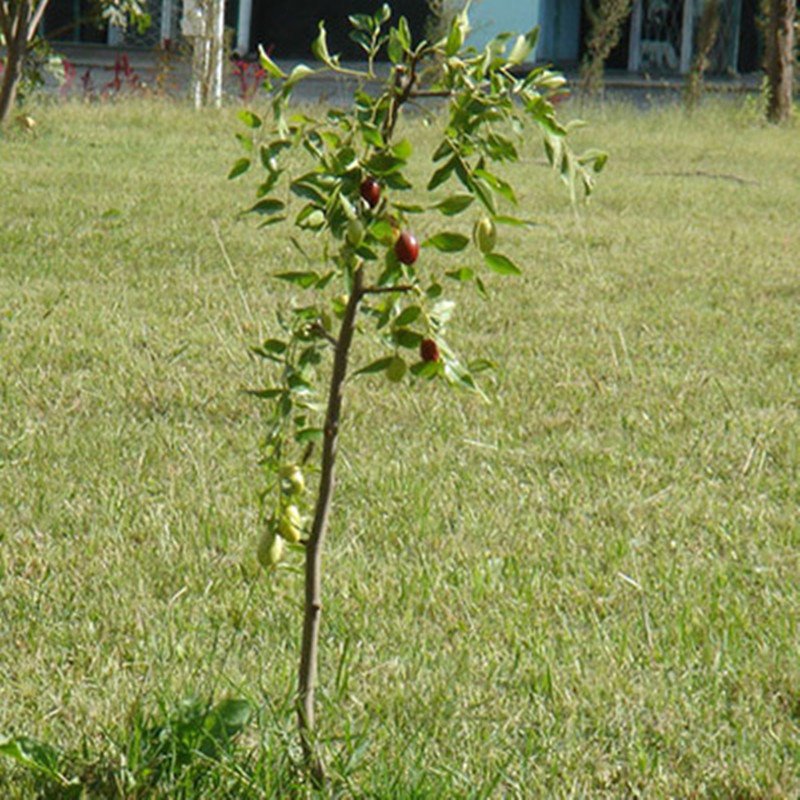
column 490, row 17
column 559, row 21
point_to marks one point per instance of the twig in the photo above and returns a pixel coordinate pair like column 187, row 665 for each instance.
column 401, row 287
column 429, row 93
column 320, row 331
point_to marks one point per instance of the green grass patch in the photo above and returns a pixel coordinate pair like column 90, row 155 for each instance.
column 586, row 586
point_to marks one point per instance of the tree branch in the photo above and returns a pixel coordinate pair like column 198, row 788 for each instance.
column 401, row 287
column 317, row 328
column 429, row 93
column 5, row 17
column 19, row 21
column 37, row 18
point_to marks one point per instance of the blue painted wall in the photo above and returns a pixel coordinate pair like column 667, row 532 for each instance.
column 559, row 21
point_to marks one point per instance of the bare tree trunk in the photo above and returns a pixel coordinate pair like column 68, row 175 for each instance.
column 18, row 23
column 15, row 22
column 218, row 53
column 204, row 23
column 779, row 59
column 12, row 75
column 313, row 587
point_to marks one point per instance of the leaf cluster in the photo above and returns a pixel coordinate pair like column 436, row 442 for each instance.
column 314, row 169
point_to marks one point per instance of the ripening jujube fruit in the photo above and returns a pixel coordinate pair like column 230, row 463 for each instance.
column 370, row 190
column 429, row 350
column 406, row 248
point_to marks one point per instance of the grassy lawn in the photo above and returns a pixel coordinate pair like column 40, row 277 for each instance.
column 588, row 586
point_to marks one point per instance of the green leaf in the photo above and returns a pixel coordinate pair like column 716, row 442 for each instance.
column 362, row 22
column 444, row 149
column 515, row 222
column 403, row 149
column 249, row 118
column 433, row 291
column 383, row 14
column 310, row 217
column 404, row 34
column 410, row 208
column 484, row 194
column 523, row 47
column 305, row 279
column 268, row 206
column 275, row 346
column 239, row 168
column 269, row 65
column 427, row 369
column 447, row 242
column 307, row 186
column 394, row 49
column 299, row 73
column 376, row 366
column 404, row 337
column 384, row 164
column 463, row 274
column 382, row 231
column 309, row 435
column 442, row 174
column 268, row 185
column 455, row 204
column 319, row 46
column 501, row 264
column 396, row 180
column 246, row 142
column 371, row 135
column 500, row 148
column 274, row 220
column 396, row 370
column 498, row 185
column 407, row 316
column 597, row 158
column 455, row 37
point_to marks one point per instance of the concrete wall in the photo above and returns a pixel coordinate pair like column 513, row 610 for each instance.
column 559, row 21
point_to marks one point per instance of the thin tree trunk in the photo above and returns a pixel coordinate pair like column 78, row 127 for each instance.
column 313, row 584
column 16, row 33
column 218, row 53
column 12, row 75
column 779, row 59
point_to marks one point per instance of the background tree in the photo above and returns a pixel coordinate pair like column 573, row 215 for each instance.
column 707, row 33
column 606, row 18
column 204, row 25
column 19, row 21
column 779, row 58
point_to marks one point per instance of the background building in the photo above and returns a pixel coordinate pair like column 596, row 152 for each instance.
column 658, row 37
